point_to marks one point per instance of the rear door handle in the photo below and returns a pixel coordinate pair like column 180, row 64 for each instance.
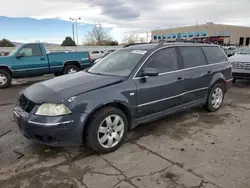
column 42, row 59
column 209, row 72
column 180, row 79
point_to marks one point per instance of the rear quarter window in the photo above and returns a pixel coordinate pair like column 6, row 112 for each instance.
column 192, row 56
column 214, row 54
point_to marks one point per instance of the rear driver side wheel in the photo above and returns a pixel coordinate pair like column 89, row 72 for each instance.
column 106, row 130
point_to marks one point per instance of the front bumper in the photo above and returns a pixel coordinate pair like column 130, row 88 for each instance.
column 53, row 131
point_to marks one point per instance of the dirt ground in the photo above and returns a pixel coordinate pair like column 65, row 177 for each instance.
column 190, row 149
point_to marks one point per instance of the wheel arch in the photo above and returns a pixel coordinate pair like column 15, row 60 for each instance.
column 6, row 69
column 118, row 105
column 76, row 63
column 218, row 78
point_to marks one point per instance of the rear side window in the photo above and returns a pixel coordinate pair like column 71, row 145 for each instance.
column 214, row 54
column 192, row 56
column 95, row 52
column 164, row 60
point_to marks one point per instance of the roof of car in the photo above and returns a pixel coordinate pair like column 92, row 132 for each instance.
column 149, row 46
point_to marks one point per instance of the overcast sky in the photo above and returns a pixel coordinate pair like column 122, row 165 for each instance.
column 133, row 15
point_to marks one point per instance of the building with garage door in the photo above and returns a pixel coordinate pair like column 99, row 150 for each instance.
column 216, row 33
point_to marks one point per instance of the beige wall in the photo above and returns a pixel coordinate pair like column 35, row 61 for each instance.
column 235, row 32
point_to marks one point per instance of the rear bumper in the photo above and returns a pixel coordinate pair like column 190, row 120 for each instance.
column 52, row 131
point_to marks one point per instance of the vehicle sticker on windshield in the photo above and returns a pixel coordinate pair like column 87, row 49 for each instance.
column 142, row 52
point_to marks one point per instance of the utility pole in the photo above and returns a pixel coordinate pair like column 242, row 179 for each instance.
column 75, row 28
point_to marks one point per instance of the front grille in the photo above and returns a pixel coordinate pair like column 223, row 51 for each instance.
column 240, row 65
column 26, row 104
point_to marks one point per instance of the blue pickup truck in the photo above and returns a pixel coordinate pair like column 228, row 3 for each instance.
column 31, row 60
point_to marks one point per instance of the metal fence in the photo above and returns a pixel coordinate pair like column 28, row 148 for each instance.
column 69, row 48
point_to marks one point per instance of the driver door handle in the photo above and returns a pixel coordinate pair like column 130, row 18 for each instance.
column 180, row 79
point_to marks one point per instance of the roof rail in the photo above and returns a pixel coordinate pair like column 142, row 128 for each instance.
column 136, row 44
column 164, row 42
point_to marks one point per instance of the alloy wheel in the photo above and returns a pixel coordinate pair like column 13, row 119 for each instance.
column 217, row 97
column 111, row 131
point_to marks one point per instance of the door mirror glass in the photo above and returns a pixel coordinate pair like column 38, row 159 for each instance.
column 149, row 72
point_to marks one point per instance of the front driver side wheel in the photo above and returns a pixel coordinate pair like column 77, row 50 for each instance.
column 5, row 79
column 107, row 130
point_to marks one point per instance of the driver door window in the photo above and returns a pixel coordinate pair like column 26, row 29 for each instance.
column 31, row 50
column 158, row 93
column 165, row 60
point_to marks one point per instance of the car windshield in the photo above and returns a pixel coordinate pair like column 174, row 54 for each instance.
column 13, row 52
column 119, row 63
column 246, row 51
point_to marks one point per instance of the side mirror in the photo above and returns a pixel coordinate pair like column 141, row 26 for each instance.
column 19, row 55
column 149, row 72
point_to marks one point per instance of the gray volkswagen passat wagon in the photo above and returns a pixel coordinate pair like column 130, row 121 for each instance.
column 133, row 85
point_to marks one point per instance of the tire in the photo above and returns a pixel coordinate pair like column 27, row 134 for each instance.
column 5, row 79
column 213, row 104
column 68, row 68
column 99, row 119
column 234, row 80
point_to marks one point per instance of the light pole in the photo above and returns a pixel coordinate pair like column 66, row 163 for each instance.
column 75, row 28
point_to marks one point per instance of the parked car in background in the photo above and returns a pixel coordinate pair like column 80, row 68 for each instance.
column 4, row 53
column 241, row 65
column 229, row 50
column 98, row 59
column 96, row 54
column 32, row 60
column 133, row 85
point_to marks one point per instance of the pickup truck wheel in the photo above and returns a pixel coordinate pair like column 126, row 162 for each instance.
column 5, row 79
column 69, row 69
column 215, row 97
column 106, row 130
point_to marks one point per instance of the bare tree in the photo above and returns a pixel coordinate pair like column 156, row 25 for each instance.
column 131, row 39
column 98, row 36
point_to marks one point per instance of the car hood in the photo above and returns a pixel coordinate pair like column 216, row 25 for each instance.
column 64, row 87
column 5, row 60
column 240, row 58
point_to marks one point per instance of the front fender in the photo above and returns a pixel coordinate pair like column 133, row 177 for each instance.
column 93, row 100
column 6, row 61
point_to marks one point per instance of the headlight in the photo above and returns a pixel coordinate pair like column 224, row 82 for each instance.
column 48, row 109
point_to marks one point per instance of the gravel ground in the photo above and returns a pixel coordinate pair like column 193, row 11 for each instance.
column 189, row 149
